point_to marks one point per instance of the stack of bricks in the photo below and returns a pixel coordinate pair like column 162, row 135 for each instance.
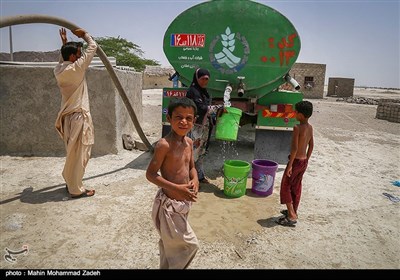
column 389, row 109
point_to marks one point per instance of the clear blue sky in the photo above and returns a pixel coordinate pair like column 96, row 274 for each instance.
column 355, row 39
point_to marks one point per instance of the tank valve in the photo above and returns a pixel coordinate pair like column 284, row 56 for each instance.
column 240, row 89
column 292, row 81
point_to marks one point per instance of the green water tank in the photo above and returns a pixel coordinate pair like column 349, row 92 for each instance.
column 241, row 43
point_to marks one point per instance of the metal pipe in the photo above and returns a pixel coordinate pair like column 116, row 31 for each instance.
column 11, row 45
column 24, row 19
column 240, row 89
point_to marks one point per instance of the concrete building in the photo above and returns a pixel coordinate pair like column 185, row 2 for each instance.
column 340, row 87
column 311, row 78
column 157, row 77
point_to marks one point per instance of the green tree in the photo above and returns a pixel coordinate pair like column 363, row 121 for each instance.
column 126, row 53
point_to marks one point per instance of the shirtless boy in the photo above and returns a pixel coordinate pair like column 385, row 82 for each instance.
column 178, row 186
column 301, row 149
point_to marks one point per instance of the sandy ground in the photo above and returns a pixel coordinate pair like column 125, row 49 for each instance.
column 344, row 219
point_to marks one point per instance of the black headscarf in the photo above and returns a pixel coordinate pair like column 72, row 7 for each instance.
column 199, row 95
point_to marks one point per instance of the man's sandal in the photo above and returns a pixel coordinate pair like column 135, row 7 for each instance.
column 286, row 222
column 285, row 212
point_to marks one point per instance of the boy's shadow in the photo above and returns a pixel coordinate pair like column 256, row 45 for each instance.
column 269, row 222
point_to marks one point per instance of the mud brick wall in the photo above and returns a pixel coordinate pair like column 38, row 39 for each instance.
column 388, row 109
column 340, row 87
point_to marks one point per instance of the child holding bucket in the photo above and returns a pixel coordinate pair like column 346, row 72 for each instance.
column 178, row 186
column 301, row 149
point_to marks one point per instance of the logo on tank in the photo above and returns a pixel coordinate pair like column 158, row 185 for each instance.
column 234, row 53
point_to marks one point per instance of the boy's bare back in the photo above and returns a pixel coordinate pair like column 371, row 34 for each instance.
column 303, row 135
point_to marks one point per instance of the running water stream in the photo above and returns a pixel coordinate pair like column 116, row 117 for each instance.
column 227, row 96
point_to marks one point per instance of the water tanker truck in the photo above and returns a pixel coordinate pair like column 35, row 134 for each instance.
column 249, row 49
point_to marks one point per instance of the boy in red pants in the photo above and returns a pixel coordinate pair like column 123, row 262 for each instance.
column 301, row 149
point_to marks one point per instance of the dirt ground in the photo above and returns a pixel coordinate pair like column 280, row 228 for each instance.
column 345, row 221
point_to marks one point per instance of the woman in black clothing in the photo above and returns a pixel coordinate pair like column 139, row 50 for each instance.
column 202, row 128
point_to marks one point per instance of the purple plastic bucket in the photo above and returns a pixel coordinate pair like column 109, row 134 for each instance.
column 263, row 176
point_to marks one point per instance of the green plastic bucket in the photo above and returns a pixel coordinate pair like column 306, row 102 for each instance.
column 235, row 177
column 228, row 124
